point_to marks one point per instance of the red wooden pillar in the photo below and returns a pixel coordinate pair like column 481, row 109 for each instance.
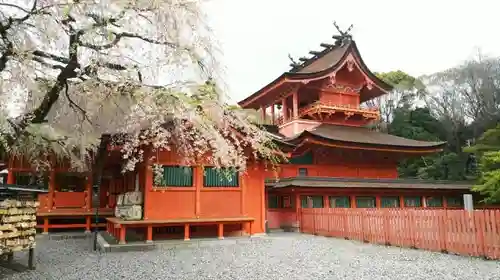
column 52, row 187
column 298, row 209
column 295, row 108
column 424, row 202
column 123, row 232
column 220, row 231
column 263, row 113
column 88, row 204
column 148, row 182
column 284, row 110
column 445, row 203
column 378, row 201
column 88, row 224
column 272, row 114
column 45, row 225
column 401, row 201
column 149, row 234
column 326, row 201
column 243, row 191
column 10, row 177
column 198, row 183
column 187, row 234
column 353, row 201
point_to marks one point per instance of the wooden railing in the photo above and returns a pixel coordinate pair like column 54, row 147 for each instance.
column 475, row 233
column 343, row 107
column 332, row 106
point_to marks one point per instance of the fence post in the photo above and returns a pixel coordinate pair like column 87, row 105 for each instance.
column 314, row 222
column 479, row 227
column 386, row 226
column 443, row 231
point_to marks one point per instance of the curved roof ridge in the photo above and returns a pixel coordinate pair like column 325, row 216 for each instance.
column 363, row 135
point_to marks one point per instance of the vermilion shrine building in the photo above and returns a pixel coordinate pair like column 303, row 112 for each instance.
column 316, row 117
column 336, row 161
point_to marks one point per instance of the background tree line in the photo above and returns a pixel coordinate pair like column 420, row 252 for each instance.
column 461, row 106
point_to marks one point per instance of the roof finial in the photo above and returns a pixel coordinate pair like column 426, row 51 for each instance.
column 294, row 62
column 344, row 35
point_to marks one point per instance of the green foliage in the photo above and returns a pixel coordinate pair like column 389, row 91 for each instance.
column 487, row 149
column 401, row 81
column 419, row 124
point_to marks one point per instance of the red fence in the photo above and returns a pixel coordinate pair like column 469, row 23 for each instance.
column 474, row 233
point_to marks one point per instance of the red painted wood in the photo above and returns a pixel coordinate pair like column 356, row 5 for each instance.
column 475, row 233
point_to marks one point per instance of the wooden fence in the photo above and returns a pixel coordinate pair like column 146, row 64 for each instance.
column 474, row 233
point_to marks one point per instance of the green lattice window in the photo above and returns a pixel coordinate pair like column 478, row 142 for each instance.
column 220, row 178
column 306, row 158
column 340, row 202
column 454, row 201
column 389, row 202
column 272, row 202
column 413, row 201
column 177, row 176
column 316, row 201
column 365, row 202
column 434, row 201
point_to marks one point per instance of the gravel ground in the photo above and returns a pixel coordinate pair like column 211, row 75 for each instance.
column 274, row 257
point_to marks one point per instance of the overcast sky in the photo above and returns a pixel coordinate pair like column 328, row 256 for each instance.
column 419, row 38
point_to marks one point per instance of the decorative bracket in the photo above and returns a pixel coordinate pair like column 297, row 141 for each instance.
column 369, row 84
column 350, row 64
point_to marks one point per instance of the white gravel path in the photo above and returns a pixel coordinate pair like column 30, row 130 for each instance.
column 282, row 256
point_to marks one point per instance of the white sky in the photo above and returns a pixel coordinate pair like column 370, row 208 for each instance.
column 418, row 37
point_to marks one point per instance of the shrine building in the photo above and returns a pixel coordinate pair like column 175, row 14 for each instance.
column 317, row 112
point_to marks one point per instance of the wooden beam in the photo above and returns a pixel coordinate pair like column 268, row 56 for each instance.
column 315, row 52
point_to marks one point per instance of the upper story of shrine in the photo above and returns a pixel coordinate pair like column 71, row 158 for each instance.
column 331, row 87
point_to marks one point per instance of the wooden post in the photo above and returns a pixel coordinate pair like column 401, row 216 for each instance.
column 88, row 205
column 298, row 209
column 284, row 110
column 242, row 181
column 272, row 114
column 326, row 202
column 378, row 201
column 263, row 113
column 148, row 182
column 295, row 105
column 10, row 177
column 250, row 229
column 220, row 230
column 123, row 232
column 186, row 232
column 52, row 186
column 198, row 183
column 424, row 202
column 45, row 225
column 353, row 201
column 401, row 201
column 149, row 234
column 88, row 224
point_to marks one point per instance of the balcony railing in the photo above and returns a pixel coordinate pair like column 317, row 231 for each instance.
column 332, row 106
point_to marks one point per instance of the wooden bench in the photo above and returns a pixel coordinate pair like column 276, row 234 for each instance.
column 117, row 227
column 71, row 213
